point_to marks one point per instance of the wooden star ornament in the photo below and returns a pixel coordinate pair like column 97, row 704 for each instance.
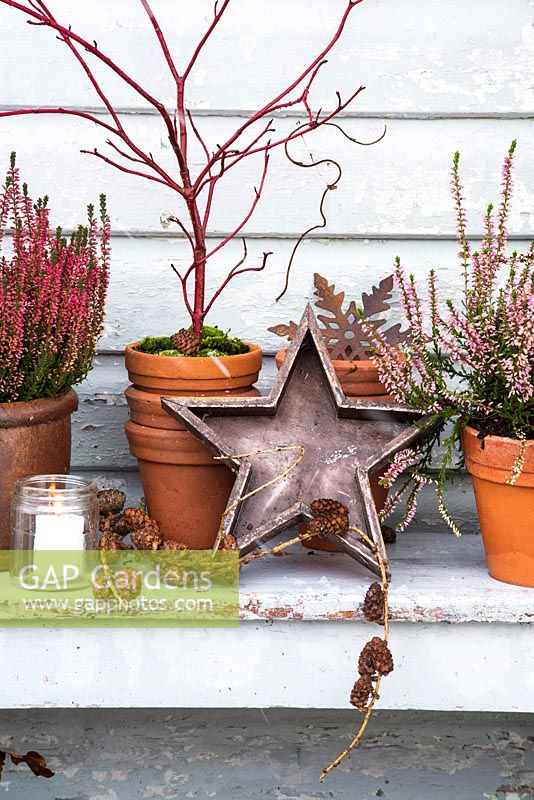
column 342, row 442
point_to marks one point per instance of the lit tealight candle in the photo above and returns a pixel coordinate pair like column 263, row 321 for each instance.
column 57, row 530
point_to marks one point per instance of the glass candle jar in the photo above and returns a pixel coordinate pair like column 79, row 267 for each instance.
column 55, row 512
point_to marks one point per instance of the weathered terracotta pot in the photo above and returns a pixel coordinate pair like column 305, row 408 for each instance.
column 357, row 379
column 505, row 513
column 35, row 439
column 186, row 490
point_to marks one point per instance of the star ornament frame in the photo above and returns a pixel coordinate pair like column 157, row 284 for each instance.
column 343, row 440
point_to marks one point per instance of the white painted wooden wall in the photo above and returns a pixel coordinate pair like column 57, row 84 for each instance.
column 442, row 75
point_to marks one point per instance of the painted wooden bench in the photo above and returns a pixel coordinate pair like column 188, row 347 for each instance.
column 460, row 641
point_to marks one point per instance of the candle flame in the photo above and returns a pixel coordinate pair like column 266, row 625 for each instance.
column 54, row 498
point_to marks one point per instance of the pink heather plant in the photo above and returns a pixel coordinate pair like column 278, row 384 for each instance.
column 52, row 295
column 470, row 362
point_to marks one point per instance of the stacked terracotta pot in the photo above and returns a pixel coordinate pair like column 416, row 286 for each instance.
column 186, row 490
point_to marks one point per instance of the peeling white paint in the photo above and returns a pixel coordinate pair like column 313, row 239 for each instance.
column 199, row 76
column 400, row 185
column 247, row 47
column 433, row 35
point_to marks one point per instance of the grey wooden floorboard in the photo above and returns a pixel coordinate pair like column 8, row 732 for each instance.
column 240, row 755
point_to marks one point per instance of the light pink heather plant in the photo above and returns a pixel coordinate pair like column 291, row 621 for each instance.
column 469, row 362
column 52, row 295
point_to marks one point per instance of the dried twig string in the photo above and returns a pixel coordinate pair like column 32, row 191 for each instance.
column 330, row 186
column 281, row 476
column 277, row 549
column 109, row 576
column 106, row 526
column 385, row 621
column 375, row 695
column 377, row 670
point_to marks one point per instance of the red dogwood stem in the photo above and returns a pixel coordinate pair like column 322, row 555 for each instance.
column 196, row 192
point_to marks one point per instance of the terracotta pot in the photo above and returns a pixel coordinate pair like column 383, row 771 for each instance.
column 186, row 490
column 35, row 439
column 357, row 379
column 505, row 513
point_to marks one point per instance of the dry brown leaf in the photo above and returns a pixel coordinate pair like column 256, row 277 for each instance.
column 287, row 331
column 35, row 761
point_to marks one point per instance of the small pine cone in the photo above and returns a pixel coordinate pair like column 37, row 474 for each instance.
column 111, row 501
column 228, row 542
column 170, row 544
column 128, row 584
column 145, row 532
column 361, row 692
column 108, row 541
column 366, row 661
column 172, row 554
column 312, row 528
column 333, row 522
column 101, row 592
column 375, row 658
column 384, row 659
column 135, row 518
column 120, row 526
column 373, row 605
column 388, row 534
column 186, row 342
column 331, row 516
column 148, row 537
column 327, row 506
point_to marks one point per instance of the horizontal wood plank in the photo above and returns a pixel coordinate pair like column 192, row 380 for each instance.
column 302, row 623
column 280, row 664
column 242, row 754
column 399, row 186
column 435, row 579
column 145, row 296
column 422, row 56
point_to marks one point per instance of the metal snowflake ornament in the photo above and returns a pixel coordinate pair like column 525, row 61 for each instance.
column 342, row 328
column 342, row 440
